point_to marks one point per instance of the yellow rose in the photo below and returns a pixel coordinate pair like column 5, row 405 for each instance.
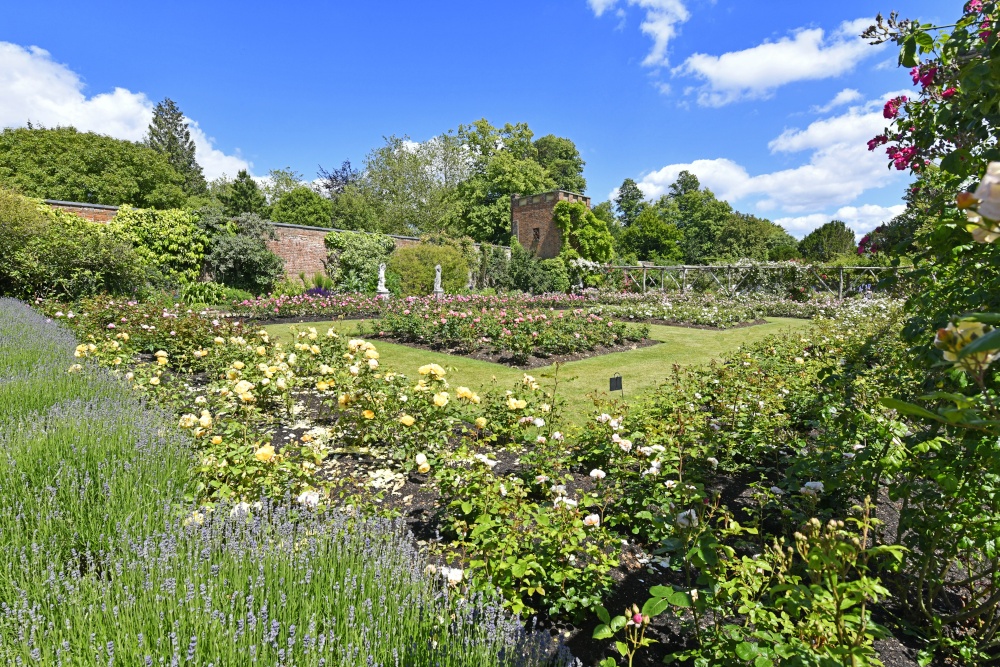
column 516, row 404
column 239, row 365
column 216, row 439
column 481, row 422
column 243, row 387
column 154, row 381
column 265, row 454
column 368, row 414
column 432, row 369
column 261, row 351
column 441, row 399
column 322, row 386
column 406, row 420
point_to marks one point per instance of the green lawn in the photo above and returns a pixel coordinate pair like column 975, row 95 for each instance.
column 641, row 369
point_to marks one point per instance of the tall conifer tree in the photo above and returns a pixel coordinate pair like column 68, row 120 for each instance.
column 168, row 134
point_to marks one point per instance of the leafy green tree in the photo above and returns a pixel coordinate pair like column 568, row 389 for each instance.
column 279, row 183
column 605, row 212
column 503, row 162
column 700, row 216
column 583, row 232
column 168, row 134
column 244, row 196
column 405, row 188
column 560, row 157
column 61, row 163
column 652, row 237
column 825, row 243
column 629, row 202
column 485, row 196
column 303, row 206
column 746, row 236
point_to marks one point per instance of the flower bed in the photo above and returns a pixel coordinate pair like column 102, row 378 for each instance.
column 552, row 514
column 100, row 474
column 512, row 332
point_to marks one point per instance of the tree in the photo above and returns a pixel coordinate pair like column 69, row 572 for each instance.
column 405, row 188
column 280, row 182
column 583, row 233
column 303, row 206
column 503, row 162
column 700, row 216
column 560, row 157
column 61, row 163
column 825, row 243
column 652, row 237
column 333, row 183
column 244, row 196
column 168, row 135
column 746, row 236
column 629, row 202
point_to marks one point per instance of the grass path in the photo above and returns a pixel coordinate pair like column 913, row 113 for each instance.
column 641, row 370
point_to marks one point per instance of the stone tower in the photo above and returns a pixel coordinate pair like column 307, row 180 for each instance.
column 531, row 220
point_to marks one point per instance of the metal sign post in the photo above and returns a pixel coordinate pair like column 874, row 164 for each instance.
column 616, row 384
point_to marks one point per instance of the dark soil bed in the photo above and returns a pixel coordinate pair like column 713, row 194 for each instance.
column 707, row 327
column 533, row 361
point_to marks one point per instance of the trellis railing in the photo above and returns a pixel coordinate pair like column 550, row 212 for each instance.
column 733, row 278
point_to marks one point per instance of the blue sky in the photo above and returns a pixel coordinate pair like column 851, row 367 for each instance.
column 769, row 103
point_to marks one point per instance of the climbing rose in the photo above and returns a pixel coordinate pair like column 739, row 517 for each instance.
column 877, row 141
column 948, row 93
column 891, row 108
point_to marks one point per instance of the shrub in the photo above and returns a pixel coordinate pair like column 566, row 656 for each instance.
column 53, row 253
column 354, row 258
column 415, row 268
column 536, row 276
column 169, row 241
column 242, row 259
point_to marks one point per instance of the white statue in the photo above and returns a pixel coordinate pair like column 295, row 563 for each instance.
column 381, row 277
column 437, row 278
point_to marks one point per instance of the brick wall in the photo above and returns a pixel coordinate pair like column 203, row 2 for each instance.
column 531, row 221
column 92, row 212
column 302, row 248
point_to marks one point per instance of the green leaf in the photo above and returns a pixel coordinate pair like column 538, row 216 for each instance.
column 661, row 591
column 925, row 41
column 908, row 56
column 603, row 614
column 680, row 599
column 602, row 631
column 746, row 651
column 622, row 647
column 466, row 507
column 761, row 661
column 654, row 607
column 617, row 623
column 904, row 408
column 985, row 318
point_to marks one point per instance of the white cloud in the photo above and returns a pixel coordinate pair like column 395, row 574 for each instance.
column 756, row 72
column 839, row 170
column 35, row 88
column 862, row 219
column 659, row 24
column 846, row 96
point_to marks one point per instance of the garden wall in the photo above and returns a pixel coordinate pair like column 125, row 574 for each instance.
column 301, row 247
